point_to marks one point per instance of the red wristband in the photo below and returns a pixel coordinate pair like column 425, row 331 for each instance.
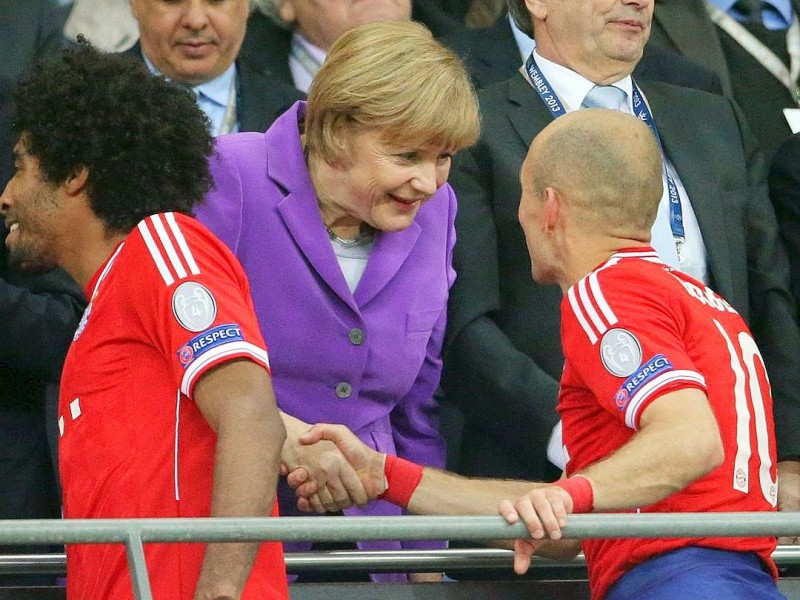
column 402, row 479
column 581, row 491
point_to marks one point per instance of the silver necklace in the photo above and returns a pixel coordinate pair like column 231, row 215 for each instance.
column 363, row 237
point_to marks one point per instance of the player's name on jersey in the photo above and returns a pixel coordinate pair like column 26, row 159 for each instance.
column 708, row 297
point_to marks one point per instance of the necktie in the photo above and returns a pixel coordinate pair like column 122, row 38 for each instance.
column 605, row 96
column 750, row 9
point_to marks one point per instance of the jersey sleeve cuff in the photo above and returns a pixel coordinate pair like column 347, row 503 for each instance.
column 666, row 382
column 220, row 355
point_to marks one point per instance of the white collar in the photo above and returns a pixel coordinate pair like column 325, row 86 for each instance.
column 572, row 87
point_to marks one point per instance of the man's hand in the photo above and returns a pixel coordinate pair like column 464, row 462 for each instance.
column 789, row 492
column 367, row 464
column 337, row 484
column 544, row 511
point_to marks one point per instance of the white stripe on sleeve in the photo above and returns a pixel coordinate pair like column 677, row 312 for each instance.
column 178, row 234
column 155, row 253
column 167, row 244
column 217, row 353
column 577, row 309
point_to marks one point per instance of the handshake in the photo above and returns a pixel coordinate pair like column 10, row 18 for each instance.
column 330, row 469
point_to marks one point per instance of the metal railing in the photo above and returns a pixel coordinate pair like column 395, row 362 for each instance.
column 368, row 561
column 133, row 533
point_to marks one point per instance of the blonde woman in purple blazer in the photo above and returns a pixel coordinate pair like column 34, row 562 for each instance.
column 344, row 222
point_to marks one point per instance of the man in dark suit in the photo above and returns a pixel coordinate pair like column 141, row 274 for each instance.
column 494, row 54
column 197, row 45
column 503, row 356
column 29, row 31
column 39, row 316
column 688, row 26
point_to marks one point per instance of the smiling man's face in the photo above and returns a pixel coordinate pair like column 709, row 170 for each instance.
column 30, row 205
column 593, row 36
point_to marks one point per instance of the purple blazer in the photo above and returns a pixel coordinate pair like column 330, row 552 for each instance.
column 371, row 359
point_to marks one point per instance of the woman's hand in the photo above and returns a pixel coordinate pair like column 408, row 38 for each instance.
column 367, row 463
column 337, row 485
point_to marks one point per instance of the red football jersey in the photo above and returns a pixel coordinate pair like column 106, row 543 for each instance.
column 633, row 330
column 169, row 304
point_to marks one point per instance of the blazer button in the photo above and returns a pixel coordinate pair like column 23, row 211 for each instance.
column 356, row 336
column 343, row 390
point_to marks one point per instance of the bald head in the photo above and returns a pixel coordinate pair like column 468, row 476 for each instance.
column 607, row 166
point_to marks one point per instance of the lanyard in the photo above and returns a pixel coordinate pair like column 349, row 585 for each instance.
column 765, row 56
column 640, row 109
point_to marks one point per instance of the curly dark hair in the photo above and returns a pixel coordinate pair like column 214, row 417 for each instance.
column 143, row 141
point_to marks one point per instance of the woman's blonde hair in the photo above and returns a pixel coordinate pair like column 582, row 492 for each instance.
column 393, row 77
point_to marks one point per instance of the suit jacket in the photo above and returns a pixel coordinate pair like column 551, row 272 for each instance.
column 369, row 359
column 454, row 9
column 29, row 31
column 261, row 97
column 266, row 47
column 503, row 355
column 442, row 17
column 784, row 191
column 491, row 55
column 684, row 26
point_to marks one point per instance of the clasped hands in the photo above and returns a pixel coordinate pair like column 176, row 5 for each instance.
column 331, row 469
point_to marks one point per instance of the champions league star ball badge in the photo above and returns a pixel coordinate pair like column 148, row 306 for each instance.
column 193, row 306
column 620, row 352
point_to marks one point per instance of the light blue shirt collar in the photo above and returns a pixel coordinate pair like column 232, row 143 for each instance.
column 216, row 90
column 212, row 96
column 778, row 14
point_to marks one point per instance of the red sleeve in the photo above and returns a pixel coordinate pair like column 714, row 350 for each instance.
column 196, row 301
column 624, row 336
